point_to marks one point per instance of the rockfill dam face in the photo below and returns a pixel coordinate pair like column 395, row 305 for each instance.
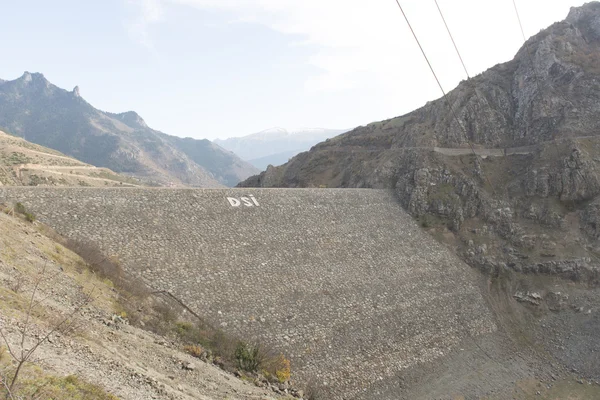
column 342, row 281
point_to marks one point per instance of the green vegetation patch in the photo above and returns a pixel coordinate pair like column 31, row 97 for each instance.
column 443, row 192
column 20, row 209
column 433, row 220
column 14, row 158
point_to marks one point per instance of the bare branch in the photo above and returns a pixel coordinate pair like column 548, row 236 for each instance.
column 31, row 302
column 7, row 345
column 58, row 327
column 181, row 303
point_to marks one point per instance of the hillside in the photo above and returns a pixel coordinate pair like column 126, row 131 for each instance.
column 40, row 112
column 103, row 356
column 23, row 163
column 276, row 145
column 529, row 200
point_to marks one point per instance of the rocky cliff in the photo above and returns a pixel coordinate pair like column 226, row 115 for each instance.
column 526, row 195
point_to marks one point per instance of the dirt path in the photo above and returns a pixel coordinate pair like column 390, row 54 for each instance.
column 58, row 167
column 54, row 169
column 462, row 151
column 70, row 159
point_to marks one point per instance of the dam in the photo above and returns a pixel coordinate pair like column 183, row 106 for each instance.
column 343, row 281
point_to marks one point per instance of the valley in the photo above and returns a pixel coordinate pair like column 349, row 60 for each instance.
column 448, row 253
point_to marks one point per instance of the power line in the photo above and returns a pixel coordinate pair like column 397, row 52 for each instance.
column 460, row 124
column 463, row 63
column 433, row 72
column 519, row 19
column 421, row 48
column 452, row 38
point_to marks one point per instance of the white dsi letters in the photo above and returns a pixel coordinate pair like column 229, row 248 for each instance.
column 233, row 201
column 249, row 201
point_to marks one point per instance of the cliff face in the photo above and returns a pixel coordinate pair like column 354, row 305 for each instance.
column 529, row 199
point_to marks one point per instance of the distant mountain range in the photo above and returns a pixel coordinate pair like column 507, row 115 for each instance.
column 33, row 108
column 276, row 146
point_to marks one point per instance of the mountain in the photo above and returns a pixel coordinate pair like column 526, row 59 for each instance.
column 276, row 145
column 23, row 163
column 506, row 171
column 42, row 113
column 274, row 159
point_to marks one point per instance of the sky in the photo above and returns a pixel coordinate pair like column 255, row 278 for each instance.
column 224, row 68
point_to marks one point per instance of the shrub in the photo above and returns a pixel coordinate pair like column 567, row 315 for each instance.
column 154, row 314
column 107, row 267
column 160, row 312
column 282, row 368
column 29, row 217
column 20, row 208
column 223, row 346
column 194, row 350
column 13, row 379
column 247, row 357
column 274, row 366
column 184, row 329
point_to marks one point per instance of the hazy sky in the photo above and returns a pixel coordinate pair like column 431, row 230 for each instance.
column 220, row 68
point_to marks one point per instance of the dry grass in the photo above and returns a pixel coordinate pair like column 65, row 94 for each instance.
column 194, row 350
column 36, row 384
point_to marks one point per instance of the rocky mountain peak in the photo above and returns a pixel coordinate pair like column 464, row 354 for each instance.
column 76, row 91
column 33, row 77
column 32, row 81
column 26, row 77
column 132, row 119
column 576, row 14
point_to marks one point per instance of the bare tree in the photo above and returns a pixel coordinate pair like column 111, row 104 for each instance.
column 20, row 354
